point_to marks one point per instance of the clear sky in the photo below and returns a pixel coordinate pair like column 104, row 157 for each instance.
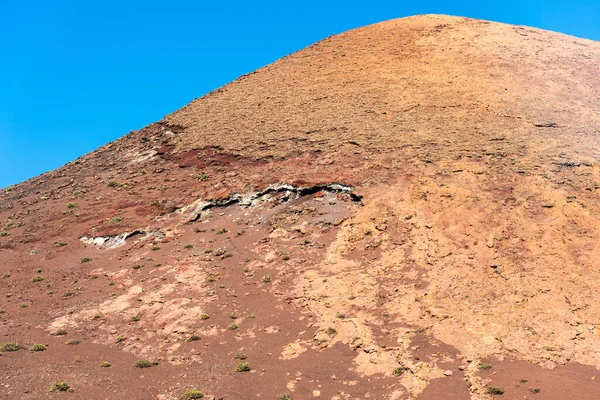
column 75, row 75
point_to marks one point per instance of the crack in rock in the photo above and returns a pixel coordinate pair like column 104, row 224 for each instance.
column 194, row 210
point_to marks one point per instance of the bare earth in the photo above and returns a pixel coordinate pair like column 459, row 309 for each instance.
column 408, row 210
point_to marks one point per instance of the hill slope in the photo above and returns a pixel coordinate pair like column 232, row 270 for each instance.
column 386, row 213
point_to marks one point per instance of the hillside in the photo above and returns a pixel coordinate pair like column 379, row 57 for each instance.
column 407, row 210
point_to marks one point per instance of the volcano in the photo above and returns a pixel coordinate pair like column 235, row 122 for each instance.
column 407, row 210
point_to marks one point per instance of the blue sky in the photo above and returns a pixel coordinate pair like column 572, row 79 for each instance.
column 75, row 75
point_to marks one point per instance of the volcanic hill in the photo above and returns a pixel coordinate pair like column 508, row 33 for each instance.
column 408, row 210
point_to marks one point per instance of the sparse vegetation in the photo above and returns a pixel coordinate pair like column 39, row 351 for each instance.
column 113, row 184
column 72, row 341
column 232, row 327
column 221, row 231
column 267, row 279
column 155, row 248
column 535, row 390
column 59, row 244
column 193, row 337
column 135, row 318
column 71, row 205
column 60, row 332
column 242, row 367
column 240, row 356
column 60, row 387
column 233, row 315
column 331, row 331
column 37, row 278
column 9, row 346
column 3, row 233
column 398, row 370
column 85, row 260
column 495, row 390
column 37, row 347
column 285, row 396
column 188, row 246
column 485, row 366
column 204, row 316
column 105, row 364
column 120, row 339
column 191, row 395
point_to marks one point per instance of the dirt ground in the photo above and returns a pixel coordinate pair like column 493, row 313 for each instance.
column 408, row 210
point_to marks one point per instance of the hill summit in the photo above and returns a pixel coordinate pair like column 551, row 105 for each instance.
column 407, row 210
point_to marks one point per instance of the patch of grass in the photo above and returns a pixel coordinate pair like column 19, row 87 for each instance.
column 233, row 326
column 240, row 356
column 60, row 387
column 221, row 231
column 193, row 337
column 9, row 346
column 233, row 315
column 135, row 318
column 267, row 279
column 5, row 276
column 37, row 278
column 285, row 396
column 191, row 395
column 60, row 332
column 4, row 233
column 143, row 364
column 113, row 184
column 535, row 390
column 71, row 205
column 115, row 220
column 59, row 244
column 37, row 347
column 85, row 260
column 155, row 248
column 38, row 271
column 251, row 316
column 188, row 246
column 120, row 339
column 243, row 367
column 495, row 390
column 72, row 341
column 204, row 316
column 331, row 331
column 485, row 366
column 105, row 364
column 398, row 371
column 23, row 305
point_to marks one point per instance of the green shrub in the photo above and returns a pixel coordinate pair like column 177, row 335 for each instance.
column 60, row 387
column 191, row 395
column 193, row 337
column 242, row 367
column 37, row 347
column 143, row 364
column 495, row 390
column 9, row 346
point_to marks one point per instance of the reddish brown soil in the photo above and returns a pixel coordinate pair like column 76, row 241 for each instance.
column 470, row 236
